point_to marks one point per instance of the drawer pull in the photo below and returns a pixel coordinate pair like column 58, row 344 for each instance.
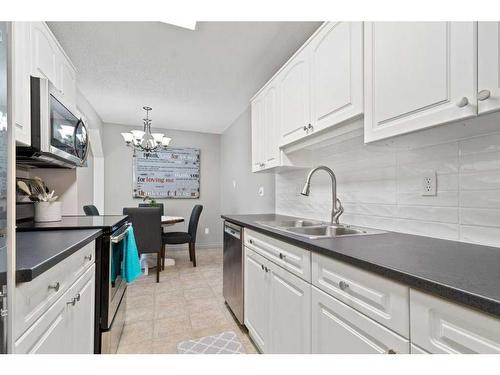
column 77, row 297
column 282, row 256
column 262, row 267
column 267, row 269
column 390, row 351
column 343, row 285
column 72, row 302
column 55, row 286
column 251, row 242
column 88, row 257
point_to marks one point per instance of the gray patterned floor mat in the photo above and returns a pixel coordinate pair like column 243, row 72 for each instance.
column 223, row 343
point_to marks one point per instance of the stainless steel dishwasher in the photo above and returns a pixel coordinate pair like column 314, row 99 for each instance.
column 232, row 288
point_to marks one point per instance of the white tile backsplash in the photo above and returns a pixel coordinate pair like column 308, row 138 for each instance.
column 379, row 186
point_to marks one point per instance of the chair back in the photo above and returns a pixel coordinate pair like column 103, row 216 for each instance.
column 146, row 222
column 91, row 210
column 160, row 205
column 193, row 221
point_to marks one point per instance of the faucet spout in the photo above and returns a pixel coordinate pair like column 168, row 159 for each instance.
column 337, row 208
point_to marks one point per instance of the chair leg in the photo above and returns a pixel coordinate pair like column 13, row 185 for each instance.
column 158, row 266
column 194, row 254
column 163, row 258
column 190, row 252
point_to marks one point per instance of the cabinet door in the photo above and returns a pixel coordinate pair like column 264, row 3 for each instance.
column 290, row 313
column 258, row 138
column 49, row 334
column 271, row 125
column 22, row 72
column 257, row 298
column 44, row 53
column 68, row 82
column 417, row 75
column 294, row 97
column 439, row 326
column 339, row 329
column 488, row 66
column 336, row 74
column 81, row 315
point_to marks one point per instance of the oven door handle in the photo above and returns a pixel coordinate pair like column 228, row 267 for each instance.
column 121, row 236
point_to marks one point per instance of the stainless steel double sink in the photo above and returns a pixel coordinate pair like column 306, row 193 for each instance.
column 317, row 229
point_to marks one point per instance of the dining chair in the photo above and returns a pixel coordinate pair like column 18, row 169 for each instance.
column 146, row 222
column 189, row 237
column 156, row 205
column 91, row 210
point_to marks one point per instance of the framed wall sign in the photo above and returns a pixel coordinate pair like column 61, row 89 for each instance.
column 174, row 173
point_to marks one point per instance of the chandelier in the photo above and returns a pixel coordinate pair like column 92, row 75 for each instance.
column 144, row 140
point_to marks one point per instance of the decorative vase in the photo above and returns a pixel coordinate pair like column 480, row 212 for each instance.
column 47, row 211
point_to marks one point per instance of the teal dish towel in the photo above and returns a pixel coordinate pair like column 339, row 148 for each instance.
column 131, row 264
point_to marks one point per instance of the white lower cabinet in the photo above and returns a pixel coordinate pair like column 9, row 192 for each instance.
column 290, row 313
column 277, row 307
column 439, row 326
column 256, row 298
column 68, row 324
column 339, row 329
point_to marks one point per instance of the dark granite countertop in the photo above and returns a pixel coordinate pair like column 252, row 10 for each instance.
column 36, row 252
column 459, row 271
column 108, row 223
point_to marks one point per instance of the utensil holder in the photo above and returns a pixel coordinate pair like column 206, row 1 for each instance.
column 47, row 211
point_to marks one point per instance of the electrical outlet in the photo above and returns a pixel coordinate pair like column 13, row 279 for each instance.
column 261, row 191
column 207, row 230
column 429, row 184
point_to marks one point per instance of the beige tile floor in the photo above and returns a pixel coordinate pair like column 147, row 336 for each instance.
column 186, row 304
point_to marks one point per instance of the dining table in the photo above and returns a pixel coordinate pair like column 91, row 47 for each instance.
column 171, row 220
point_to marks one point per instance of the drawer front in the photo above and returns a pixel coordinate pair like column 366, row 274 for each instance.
column 339, row 329
column 33, row 298
column 383, row 300
column 439, row 326
column 294, row 259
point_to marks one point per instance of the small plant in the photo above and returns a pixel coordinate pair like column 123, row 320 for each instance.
column 152, row 201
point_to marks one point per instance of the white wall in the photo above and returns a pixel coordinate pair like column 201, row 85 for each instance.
column 118, row 180
column 379, row 185
column 239, row 185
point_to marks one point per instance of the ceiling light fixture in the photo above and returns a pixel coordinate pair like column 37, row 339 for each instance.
column 144, row 140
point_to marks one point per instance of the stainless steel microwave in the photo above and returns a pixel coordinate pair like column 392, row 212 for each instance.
column 59, row 137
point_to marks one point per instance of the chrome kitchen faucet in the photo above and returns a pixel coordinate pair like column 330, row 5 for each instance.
column 337, row 208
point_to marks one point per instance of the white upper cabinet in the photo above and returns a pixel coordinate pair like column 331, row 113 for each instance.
column 44, row 53
column 417, row 75
column 488, row 67
column 258, row 137
column 336, row 56
column 294, row 92
column 271, row 124
column 21, row 72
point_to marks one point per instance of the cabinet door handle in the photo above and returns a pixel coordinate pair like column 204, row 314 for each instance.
column 310, row 127
column 282, row 256
column 88, row 257
column 77, row 297
column 262, row 267
column 390, row 351
column 463, row 102
column 72, row 302
column 267, row 269
column 343, row 285
column 251, row 242
column 483, row 95
column 305, row 128
column 55, row 286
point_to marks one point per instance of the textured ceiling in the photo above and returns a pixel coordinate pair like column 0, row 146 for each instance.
column 195, row 80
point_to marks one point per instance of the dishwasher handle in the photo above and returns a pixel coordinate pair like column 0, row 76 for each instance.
column 232, row 231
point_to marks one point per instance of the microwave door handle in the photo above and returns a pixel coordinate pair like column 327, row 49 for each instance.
column 84, row 156
column 87, row 141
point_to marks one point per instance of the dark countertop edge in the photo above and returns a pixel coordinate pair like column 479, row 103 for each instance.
column 106, row 229
column 448, row 292
column 26, row 275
